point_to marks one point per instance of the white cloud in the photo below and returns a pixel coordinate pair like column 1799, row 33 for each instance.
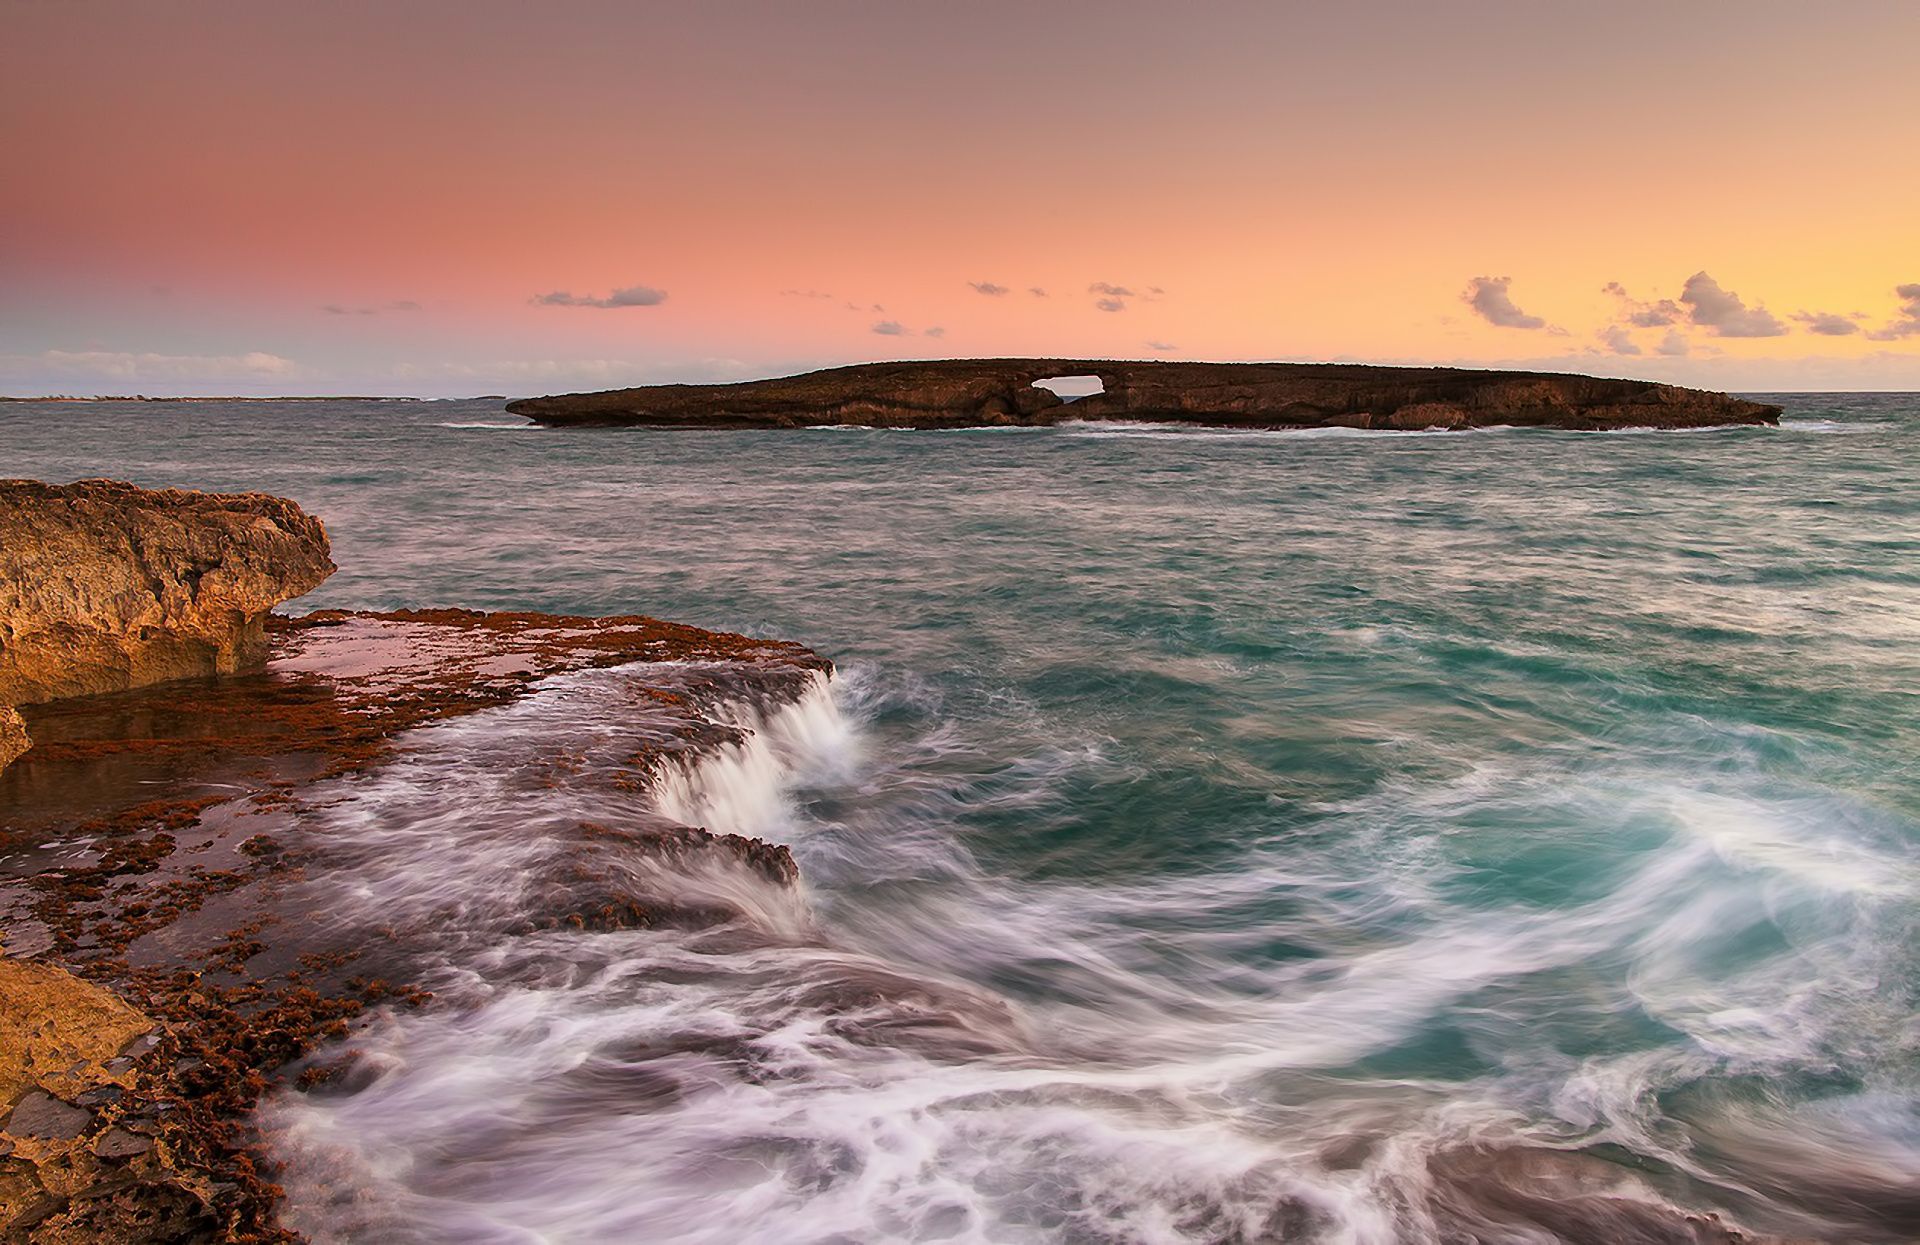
column 1726, row 313
column 1907, row 322
column 1642, row 315
column 1616, row 339
column 630, row 296
column 125, row 365
column 1488, row 296
column 1827, row 323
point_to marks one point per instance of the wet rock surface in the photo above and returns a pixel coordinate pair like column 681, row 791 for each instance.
column 164, row 857
column 105, row 586
column 958, row 393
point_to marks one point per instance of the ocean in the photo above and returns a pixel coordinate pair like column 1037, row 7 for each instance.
column 1331, row 836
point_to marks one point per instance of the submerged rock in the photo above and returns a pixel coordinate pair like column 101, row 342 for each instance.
column 959, row 393
column 105, row 587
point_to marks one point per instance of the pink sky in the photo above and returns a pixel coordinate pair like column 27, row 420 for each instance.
column 358, row 197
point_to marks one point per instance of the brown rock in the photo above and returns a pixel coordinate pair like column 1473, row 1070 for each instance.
column 958, row 393
column 118, row 1143
column 105, row 586
column 13, row 735
column 42, row 1116
column 58, row 1032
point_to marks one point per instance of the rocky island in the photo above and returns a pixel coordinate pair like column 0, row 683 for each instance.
column 172, row 943
column 961, row 393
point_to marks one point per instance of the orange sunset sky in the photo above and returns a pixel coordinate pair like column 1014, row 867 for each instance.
column 484, row 197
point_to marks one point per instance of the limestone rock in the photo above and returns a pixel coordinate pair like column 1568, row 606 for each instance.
column 105, row 586
column 958, row 393
column 13, row 735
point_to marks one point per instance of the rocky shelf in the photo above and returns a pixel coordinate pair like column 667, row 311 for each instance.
column 960, row 393
column 174, row 748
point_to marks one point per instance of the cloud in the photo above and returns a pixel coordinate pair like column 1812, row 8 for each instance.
column 988, row 288
column 1723, row 311
column 1827, row 323
column 631, row 296
column 890, row 328
column 1110, row 304
column 1616, row 339
column 1907, row 323
column 1162, row 347
column 1111, row 291
column 127, row 367
column 1036, row 291
column 1643, row 315
column 1489, row 297
column 935, row 331
column 803, row 294
column 337, row 309
column 1673, row 345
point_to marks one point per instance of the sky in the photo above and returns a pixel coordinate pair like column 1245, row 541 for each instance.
column 461, row 198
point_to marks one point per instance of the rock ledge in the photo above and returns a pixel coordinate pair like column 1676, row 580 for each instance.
column 106, row 587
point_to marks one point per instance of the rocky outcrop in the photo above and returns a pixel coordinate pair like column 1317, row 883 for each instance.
column 178, row 969
column 105, row 587
column 958, row 393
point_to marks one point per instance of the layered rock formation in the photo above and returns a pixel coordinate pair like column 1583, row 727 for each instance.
column 105, row 586
column 167, row 848
column 958, row 393
column 161, row 969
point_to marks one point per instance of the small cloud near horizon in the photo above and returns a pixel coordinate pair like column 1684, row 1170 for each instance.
column 935, row 331
column 337, row 309
column 1674, row 345
column 890, row 328
column 1037, row 291
column 1488, row 296
column 1907, row 321
column 132, row 367
column 1710, row 305
column 1828, row 323
column 1162, row 347
column 630, row 296
column 804, row 294
column 1617, row 339
column 1114, row 297
column 1644, row 315
column 988, row 288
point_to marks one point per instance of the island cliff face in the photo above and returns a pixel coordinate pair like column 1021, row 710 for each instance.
column 960, row 393
column 105, row 587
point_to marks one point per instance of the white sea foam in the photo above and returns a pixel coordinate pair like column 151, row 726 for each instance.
column 1830, row 425
column 783, row 1077
column 743, row 788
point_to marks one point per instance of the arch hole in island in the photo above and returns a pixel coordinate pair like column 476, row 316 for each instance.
column 1071, row 388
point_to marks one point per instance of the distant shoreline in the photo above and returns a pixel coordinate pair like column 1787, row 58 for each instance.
column 140, row 397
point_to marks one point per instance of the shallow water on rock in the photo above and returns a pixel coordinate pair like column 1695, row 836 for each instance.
column 1505, row 836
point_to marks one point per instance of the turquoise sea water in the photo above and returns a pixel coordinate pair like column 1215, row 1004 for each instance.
column 1282, row 836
